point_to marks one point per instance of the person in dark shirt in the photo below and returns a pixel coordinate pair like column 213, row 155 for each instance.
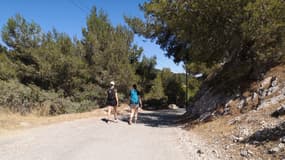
column 112, row 101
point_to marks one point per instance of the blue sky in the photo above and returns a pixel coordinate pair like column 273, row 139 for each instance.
column 69, row 16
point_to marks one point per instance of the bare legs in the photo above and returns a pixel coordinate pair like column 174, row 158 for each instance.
column 115, row 113
column 110, row 111
column 131, row 115
column 134, row 113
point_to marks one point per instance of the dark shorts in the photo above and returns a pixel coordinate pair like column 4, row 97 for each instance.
column 111, row 103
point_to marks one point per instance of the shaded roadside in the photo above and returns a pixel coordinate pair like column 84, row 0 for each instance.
column 159, row 118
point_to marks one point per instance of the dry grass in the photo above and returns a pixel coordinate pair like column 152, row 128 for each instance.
column 10, row 122
column 217, row 127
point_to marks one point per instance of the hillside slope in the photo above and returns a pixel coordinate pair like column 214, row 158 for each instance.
column 249, row 125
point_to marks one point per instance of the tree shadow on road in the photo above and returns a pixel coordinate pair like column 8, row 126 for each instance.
column 160, row 118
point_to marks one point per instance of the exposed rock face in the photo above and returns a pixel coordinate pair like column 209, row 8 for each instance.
column 266, row 83
column 279, row 112
column 245, row 153
column 248, row 131
column 209, row 102
column 266, row 134
column 282, row 140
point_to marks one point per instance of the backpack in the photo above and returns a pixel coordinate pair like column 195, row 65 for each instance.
column 134, row 97
column 111, row 94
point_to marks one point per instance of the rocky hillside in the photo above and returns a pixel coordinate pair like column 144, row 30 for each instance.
column 210, row 101
column 247, row 125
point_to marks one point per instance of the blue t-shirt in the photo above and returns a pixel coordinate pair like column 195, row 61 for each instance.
column 134, row 97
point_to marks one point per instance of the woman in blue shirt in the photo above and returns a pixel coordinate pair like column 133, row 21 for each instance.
column 135, row 102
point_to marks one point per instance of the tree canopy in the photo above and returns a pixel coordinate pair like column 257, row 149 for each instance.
column 70, row 73
column 215, row 32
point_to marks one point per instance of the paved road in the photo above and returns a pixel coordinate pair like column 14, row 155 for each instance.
column 153, row 138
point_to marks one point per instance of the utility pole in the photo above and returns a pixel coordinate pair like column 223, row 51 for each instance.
column 186, row 91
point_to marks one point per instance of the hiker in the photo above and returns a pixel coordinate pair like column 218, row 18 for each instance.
column 112, row 101
column 135, row 103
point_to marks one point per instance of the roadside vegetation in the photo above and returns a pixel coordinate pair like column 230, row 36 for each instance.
column 53, row 73
column 233, row 43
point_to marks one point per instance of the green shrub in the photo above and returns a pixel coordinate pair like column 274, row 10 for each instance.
column 25, row 99
column 7, row 68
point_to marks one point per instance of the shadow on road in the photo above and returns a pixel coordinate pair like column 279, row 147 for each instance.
column 160, row 118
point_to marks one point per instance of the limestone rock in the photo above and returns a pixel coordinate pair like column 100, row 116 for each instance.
column 281, row 145
column 273, row 150
column 237, row 139
column 234, row 121
column 241, row 104
column 205, row 117
column 172, row 106
column 245, row 153
column 252, row 101
column 279, row 112
column 266, row 83
column 282, row 139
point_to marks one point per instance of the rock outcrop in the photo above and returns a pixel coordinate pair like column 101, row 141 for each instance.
column 210, row 102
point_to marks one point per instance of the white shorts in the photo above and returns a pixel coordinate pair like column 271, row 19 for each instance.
column 134, row 105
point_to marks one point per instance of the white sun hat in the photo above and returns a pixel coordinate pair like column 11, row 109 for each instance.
column 112, row 83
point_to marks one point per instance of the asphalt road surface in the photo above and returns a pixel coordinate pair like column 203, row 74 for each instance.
column 154, row 137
